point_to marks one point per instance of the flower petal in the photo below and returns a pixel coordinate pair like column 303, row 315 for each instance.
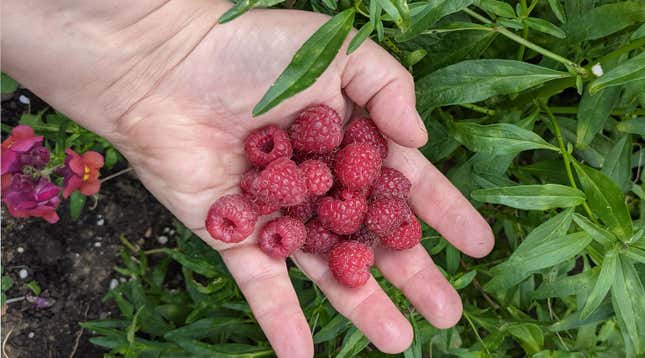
column 90, row 187
column 93, row 159
column 73, row 184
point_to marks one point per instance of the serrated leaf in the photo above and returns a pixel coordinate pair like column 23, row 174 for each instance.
column 633, row 126
column 593, row 112
column 432, row 12
column 360, row 37
column 532, row 197
column 618, row 163
column 309, row 62
column 476, row 80
column 606, row 200
column 497, row 139
column 496, row 7
column 545, row 26
column 599, row 234
column 558, row 10
column 603, row 284
column 625, row 72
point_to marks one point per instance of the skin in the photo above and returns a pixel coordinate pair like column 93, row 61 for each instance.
column 173, row 91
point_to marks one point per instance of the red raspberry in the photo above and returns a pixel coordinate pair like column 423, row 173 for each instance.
column 342, row 216
column 327, row 158
column 357, row 165
column 267, row 144
column 302, row 212
column 247, row 180
column 281, row 183
column 364, row 236
column 405, row 237
column 363, row 130
column 260, row 207
column 319, row 239
column 280, row 237
column 231, row 218
column 386, row 215
column 318, row 176
column 391, row 184
column 317, row 129
column 350, row 262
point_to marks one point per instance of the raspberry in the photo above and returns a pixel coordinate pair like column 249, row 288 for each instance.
column 281, row 183
column 267, row 144
column 319, row 239
column 342, row 216
column 260, row 207
column 317, row 129
column 247, row 180
column 405, row 237
column 391, row 184
column 302, row 212
column 282, row 236
column 357, row 165
column 350, row 262
column 231, row 218
column 385, row 215
column 318, row 176
column 364, row 236
column 363, row 130
column 327, row 158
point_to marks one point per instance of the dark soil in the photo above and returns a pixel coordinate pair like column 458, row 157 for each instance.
column 71, row 261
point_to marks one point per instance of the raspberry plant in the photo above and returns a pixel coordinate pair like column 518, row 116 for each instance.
column 535, row 111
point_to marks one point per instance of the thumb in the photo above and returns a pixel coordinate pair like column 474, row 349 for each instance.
column 375, row 80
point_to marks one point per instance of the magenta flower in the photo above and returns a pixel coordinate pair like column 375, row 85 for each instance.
column 26, row 197
column 81, row 173
column 21, row 148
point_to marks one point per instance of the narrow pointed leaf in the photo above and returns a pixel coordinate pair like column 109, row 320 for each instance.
column 599, row 234
column 496, row 7
column 628, row 71
column 498, row 139
column 360, row 37
column 545, row 26
column 432, row 12
column 625, row 294
column 634, row 126
column 618, row 163
column 558, row 10
column 593, row 112
column 532, row 197
column 603, row 284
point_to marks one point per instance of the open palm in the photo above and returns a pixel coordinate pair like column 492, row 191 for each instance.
column 184, row 138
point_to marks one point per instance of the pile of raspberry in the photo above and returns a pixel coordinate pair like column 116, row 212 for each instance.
column 335, row 197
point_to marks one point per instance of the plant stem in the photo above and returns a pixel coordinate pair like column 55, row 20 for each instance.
column 565, row 155
column 120, row 172
column 539, row 49
column 160, row 250
column 525, row 30
column 479, row 338
column 616, row 112
column 477, row 108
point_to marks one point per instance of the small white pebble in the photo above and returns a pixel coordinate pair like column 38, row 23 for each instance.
column 99, row 238
column 20, row 250
column 597, row 70
column 97, row 244
column 24, row 99
column 172, row 232
column 31, row 334
column 162, row 239
column 166, row 230
column 99, row 220
column 122, row 279
column 113, row 283
column 23, row 273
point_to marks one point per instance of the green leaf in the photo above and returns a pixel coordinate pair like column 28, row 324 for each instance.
column 8, row 84
column 606, row 200
column 360, row 37
column 573, row 320
column 627, row 296
column 633, row 126
column 558, row 10
column 604, row 20
column 476, row 80
column 640, row 32
column 309, row 62
column 635, row 253
column 497, row 139
column 532, row 197
column 529, row 335
column 628, row 71
column 599, row 234
column 353, row 342
column 593, row 112
column 398, row 11
column 567, row 285
column 34, row 287
column 6, row 282
column 545, row 26
column 133, row 327
column 333, row 329
column 243, row 6
column 76, row 204
column 432, row 12
column 196, row 264
column 464, row 280
column 618, row 163
column 603, row 284
column 496, row 7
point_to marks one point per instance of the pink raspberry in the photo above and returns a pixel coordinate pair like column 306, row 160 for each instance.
column 281, row 183
column 280, row 237
column 317, row 129
column 357, row 165
column 247, row 180
column 302, row 212
column 391, row 184
column 363, row 130
column 386, row 215
column 231, row 218
column 319, row 239
column 405, row 237
column 364, row 236
column 350, row 262
column 318, row 176
column 260, row 207
column 342, row 216
column 267, row 144
column 327, row 158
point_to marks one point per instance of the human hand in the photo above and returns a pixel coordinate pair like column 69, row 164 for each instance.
column 184, row 136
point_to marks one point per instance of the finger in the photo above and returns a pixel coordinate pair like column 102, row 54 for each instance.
column 375, row 80
column 265, row 284
column 368, row 307
column 440, row 204
column 413, row 272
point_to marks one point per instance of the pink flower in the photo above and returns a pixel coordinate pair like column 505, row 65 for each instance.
column 81, row 173
column 26, row 197
column 23, row 148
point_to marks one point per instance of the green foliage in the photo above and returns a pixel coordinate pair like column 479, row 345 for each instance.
column 9, row 85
